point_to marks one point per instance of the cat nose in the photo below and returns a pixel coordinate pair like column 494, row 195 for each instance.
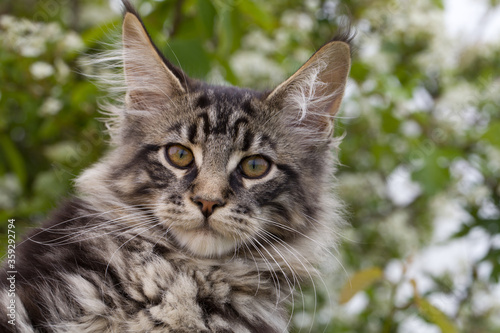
column 207, row 207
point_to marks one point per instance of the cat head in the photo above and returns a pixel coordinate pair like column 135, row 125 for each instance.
column 217, row 167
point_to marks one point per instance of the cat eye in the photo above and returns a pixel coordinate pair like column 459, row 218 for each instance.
column 179, row 156
column 254, row 167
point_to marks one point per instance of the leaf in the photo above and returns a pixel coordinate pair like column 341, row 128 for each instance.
column 493, row 256
column 14, row 158
column 390, row 124
column 258, row 15
column 360, row 281
column 432, row 176
column 435, row 316
column 226, row 33
column 189, row 55
column 431, row 313
column 492, row 135
column 438, row 3
column 359, row 71
column 207, row 14
column 49, row 185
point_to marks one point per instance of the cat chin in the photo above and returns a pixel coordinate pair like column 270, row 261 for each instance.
column 204, row 243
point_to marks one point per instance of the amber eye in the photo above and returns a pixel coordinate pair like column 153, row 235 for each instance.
column 254, row 166
column 179, row 156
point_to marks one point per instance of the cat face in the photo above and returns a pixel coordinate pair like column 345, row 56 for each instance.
column 224, row 168
column 221, row 170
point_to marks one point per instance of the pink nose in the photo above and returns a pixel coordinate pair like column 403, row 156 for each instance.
column 207, row 207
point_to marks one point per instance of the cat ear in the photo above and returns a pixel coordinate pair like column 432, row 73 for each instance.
column 147, row 76
column 311, row 97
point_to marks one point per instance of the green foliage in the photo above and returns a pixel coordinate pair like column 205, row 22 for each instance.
column 44, row 104
column 360, row 281
column 421, row 152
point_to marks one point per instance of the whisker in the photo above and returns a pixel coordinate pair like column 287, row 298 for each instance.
column 256, row 266
column 274, row 275
column 116, row 251
column 296, row 254
column 94, row 215
column 75, row 238
column 321, row 245
column 291, row 285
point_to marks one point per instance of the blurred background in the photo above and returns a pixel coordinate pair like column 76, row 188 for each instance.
column 420, row 162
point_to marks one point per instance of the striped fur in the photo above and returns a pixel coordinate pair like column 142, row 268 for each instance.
column 133, row 252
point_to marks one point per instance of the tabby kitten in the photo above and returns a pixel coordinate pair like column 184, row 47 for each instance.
column 213, row 205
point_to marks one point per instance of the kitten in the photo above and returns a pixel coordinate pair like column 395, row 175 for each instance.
column 213, row 205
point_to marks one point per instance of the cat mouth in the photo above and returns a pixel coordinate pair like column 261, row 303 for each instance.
column 206, row 224
column 206, row 229
column 204, row 241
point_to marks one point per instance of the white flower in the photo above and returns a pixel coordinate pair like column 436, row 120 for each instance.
column 41, row 70
column 51, row 32
column 312, row 5
column 361, row 186
column 63, row 70
column 449, row 217
column 414, row 324
column 25, row 37
column 73, row 42
column 457, row 107
column 299, row 21
column 469, row 179
column 50, row 107
column 400, row 188
column 396, row 228
column 6, row 21
column 10, row 189
column 253, row 68
column 33, row 48
column 421, row 101
column 411, row 129
column 356, row 305
column 259, row 41
column 493, row 161
column 30, row 39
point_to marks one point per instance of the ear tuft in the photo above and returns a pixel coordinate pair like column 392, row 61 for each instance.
column 311, row 97
column 129, row 8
